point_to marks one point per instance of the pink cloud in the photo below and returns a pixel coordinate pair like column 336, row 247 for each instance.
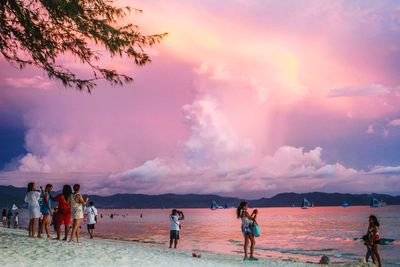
column 33, row 82
column 395, row 122
column 370, row 130
column 224, row 94
column 371, row 90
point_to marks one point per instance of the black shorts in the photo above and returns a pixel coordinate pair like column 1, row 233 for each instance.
column 174, row 234
column 90, row 227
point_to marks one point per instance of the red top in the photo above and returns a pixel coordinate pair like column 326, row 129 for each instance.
column 63, row 206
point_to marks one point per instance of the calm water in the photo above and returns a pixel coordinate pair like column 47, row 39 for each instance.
column 286, row 232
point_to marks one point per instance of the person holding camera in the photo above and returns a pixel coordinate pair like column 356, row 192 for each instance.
column 175, row 226
column 248, row 220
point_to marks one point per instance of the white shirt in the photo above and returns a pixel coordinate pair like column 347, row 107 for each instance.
column 174, row 220
column 91, row 214
column 32, row 198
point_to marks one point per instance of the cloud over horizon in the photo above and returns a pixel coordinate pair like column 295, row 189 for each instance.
column 237, row 103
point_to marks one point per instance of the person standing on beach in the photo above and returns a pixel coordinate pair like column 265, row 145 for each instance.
column 54, row 219
column 77, row 203
column 9, row 218
column 91, row 212
column 175, row 227
column 16, row 220
column 45, row 209
column 247, row 223
column 63, row 215
column 373, row 240
column 4, row 217
column 32, row 198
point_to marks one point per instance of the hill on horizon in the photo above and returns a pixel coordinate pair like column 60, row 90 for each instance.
column 14, row 195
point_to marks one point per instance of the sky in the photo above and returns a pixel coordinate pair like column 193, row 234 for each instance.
column 242, row 98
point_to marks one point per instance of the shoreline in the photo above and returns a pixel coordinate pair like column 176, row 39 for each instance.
column 19, row 250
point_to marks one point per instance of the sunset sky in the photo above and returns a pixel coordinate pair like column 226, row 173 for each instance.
column 243, row 98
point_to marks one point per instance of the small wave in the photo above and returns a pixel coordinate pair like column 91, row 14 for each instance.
column 384, row 241
column 234, row 241
column 387, row 241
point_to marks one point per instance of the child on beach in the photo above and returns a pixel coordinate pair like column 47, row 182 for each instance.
column 373, row 240
column 91, row 212
column 53, row 220
column 247, row 222
column 16, row 220
column 32, row 198
column 175, row 226
column 77, row 202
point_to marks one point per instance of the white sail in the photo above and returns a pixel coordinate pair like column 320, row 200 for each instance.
column 14, row 207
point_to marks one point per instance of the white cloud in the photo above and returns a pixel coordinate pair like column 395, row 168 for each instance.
column 33, row 82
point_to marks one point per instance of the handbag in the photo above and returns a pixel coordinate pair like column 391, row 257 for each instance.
column 256, row 229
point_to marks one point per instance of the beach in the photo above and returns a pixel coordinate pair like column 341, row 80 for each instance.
column 19, row 250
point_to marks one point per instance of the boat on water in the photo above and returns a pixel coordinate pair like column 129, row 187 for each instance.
column 305, row 204
column 215, row 206
column 376, row 203
column 345, row 204
column 14, row 207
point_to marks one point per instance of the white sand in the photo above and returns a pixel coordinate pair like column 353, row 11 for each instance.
column 16, row 249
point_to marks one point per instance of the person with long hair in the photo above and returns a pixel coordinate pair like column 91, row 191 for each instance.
column 77, row 203
column 32, row 198
column 63, row 215
column 45, row 209
column 247, row 222
column 373, row 240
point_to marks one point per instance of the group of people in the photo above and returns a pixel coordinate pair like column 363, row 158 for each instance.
column 71, row 203
column 9, row 217
column 372, row 239
column 70, row 210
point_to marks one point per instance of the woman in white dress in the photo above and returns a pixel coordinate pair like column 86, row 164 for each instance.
column 77, row 203
column 32, row 198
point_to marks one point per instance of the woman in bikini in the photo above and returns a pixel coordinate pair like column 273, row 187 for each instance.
column 373, row 240
column 77, row 203
column 247, row 222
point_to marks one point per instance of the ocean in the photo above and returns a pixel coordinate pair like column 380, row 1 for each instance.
column 286, row 233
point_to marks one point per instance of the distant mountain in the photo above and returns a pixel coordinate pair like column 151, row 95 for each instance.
column 323, row 199
column 10, row 195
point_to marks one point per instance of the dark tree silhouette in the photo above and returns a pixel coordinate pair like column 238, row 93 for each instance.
column 37, row 32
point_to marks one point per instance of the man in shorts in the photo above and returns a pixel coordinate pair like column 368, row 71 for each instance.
column 175, row 218
column 91, row 212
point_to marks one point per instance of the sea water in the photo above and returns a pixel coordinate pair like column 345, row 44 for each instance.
column 286, row 233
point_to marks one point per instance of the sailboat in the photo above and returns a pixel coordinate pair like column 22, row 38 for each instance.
column 14, row 207
column 215, row 205
column 345, row 204
column 375, row 203
column 305, row 204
